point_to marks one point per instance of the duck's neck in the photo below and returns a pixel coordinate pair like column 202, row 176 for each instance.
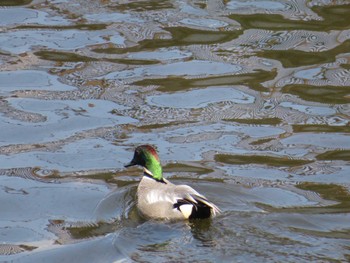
column 154, row 169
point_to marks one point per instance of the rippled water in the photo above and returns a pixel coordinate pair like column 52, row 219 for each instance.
column 246, row 101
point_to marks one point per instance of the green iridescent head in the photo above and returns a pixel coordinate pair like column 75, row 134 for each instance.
column 147, row 157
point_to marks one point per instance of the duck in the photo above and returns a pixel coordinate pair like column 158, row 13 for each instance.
column 158, row 198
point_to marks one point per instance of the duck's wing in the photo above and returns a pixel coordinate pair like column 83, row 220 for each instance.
column 192, row 204
column 181, row 199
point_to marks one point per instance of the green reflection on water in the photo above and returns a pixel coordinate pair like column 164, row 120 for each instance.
column 63, row 56
column 180, row 36
column 77, row 26
column 343, row 155
column 320, row 128
column 14, row 2
column 132, row 61
column 73, row 57
column 140, row 6
column 335, row 18
column 345, row 234
column 92, row 230
column 121, row 178
column 331, row 192
column 323, row 94
column 260, row 159
column 252, row 80
column 265, row 121
column 297, row 58
column 262, row 141
column 163, row 125
column 107, row 176
column 179, row 167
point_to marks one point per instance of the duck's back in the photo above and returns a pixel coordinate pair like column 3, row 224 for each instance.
column 155, row 199
column 164, row 200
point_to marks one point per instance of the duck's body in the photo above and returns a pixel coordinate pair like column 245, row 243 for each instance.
column 157, row 198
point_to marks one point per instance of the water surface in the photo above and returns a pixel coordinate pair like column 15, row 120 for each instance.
column 246, row 101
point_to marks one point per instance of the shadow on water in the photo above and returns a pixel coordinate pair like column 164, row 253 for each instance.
column 202, row 231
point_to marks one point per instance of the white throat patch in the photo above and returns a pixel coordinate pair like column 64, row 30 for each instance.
column 145, row 170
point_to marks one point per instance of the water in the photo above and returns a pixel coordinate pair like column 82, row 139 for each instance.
column 246, row 101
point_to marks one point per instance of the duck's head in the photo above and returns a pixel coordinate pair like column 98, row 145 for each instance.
column 147, row 157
